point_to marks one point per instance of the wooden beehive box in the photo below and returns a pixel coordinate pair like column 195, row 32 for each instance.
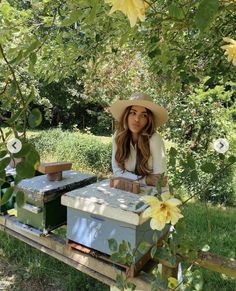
column 98, row 212
column 43, row 209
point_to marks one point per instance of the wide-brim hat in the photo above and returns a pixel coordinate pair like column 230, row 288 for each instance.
column 140, row 99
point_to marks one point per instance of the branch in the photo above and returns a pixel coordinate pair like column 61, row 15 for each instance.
column 18, row 88
column 214, row 263
column 2, row 135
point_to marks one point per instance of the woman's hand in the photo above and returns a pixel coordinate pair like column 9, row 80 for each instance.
column 152, row 179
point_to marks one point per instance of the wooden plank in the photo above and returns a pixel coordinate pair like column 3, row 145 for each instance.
column 55, row 246
column 216, row 263
column 125, row 184
column 130, row 270
column 48, row 168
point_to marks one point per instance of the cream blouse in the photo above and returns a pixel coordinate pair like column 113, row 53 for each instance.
column 156, row 162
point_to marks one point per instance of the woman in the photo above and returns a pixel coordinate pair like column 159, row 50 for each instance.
column 138, row 151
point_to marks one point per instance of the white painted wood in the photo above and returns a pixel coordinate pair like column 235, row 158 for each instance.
column 32, row 208
column 99, row 198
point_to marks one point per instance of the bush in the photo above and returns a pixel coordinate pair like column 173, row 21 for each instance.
column 87, row 152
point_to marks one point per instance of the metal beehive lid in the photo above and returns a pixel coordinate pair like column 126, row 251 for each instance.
column 39, row 188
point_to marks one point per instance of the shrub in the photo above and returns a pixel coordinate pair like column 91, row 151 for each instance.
column 85, row 151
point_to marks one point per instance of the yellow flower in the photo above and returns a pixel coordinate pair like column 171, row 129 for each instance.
column 162, row 212
column 132, row 8
column 230, row 49
column 172, row 283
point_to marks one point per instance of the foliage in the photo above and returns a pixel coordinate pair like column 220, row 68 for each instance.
column 86, row 152
column 197, row 120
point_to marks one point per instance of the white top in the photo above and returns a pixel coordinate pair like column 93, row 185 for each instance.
column 99, row 198
column 156, row 162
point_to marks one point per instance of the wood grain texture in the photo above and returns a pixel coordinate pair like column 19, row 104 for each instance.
column 48, row 168
column 125, row 184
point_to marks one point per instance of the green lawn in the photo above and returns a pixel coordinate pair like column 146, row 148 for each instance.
column 215, row 227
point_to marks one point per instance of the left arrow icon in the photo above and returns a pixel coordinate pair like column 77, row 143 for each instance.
column 14, row 145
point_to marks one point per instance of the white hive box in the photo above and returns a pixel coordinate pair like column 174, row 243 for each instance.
column 97, row 212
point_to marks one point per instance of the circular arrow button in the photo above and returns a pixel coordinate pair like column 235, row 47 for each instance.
column 221, row 145
column 14, row 145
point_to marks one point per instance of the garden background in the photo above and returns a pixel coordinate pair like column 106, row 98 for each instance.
column 62, row 63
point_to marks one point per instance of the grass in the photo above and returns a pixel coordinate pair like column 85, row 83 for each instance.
column 30, row 265
column 215, row 227
column 34, row 270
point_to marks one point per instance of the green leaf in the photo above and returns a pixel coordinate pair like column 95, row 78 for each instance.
column 153, row 251
column 175, row 11
column 20, row 198
column 129, row 259
column 25, row 170
column 33, row 58
column 35, row 44
column 232, row 159
column 207, row 9
column 92, row 15
column 191, row 162
column 117, row 257
column 31, row 97
column 161, row 253
column 194, row 176
column 12, row 90
column 172, row 156
column 155, row 237
column 32, row 61
column 7, row 195
column 26, row 148
column 2, row 177
column 124, row 38
column 123, row 248
column 209, row 168
column 4, row 163
column 113, row 246
column 131, row 286
column 18, row 58
column 2, row 154
column 120, row 281
column 144, row 247
column 35, row 118
column 33, row 157
column 72, row 18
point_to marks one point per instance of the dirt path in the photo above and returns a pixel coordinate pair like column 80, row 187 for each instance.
column 6, row 275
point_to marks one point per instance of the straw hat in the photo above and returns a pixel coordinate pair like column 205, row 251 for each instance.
column 140, row 99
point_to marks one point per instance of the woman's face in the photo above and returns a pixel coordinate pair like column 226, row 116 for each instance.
column 137, row 119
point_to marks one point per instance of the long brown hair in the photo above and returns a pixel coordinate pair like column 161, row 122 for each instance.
column 123, row 139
